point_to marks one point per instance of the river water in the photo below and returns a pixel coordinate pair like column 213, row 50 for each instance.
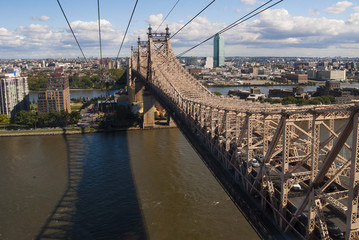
column 126, row 185
column 91, row 93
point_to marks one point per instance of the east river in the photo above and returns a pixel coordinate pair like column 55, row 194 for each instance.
column 128, row 185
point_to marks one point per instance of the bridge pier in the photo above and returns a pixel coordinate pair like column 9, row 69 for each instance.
column 148, row 110
column 170, row 121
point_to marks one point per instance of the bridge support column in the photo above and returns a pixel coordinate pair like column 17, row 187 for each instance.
column 130, row 83
column 148, row 110
column 170, row 121
column 139, row 88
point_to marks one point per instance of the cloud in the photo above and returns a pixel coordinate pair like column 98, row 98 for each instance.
column 238, row 10
column 356, row 9
column 251, row 2
column 155, row 20
column 339, row 7
column 274, row 32
column 353, row 19
column 42, row 18
column 274, row 29
column 37, row 40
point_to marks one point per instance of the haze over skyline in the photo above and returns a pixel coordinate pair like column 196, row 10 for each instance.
column 317, row 28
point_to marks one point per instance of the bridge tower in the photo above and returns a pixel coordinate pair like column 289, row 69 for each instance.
column 141, row 62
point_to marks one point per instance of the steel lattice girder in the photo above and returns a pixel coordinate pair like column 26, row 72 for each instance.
column 300, row 145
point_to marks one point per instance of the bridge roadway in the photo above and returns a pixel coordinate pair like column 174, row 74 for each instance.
column 313, row 146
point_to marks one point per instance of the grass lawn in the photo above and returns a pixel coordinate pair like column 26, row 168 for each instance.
column 76, row 106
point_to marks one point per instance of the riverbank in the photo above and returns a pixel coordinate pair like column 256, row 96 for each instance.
column 70, row 131
column 77, row 90
column 256, row 85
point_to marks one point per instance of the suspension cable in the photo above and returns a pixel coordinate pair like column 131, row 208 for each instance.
column 192, row 19
column 239, row 21
column 233, row 24
column 129, row 22
column 99, row 29
column 167, row 15
column 78, row 44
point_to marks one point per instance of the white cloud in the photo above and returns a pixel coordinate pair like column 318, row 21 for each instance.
column 42, row 18
column 353, row 19
column 339, row 7
column 251, row 2
column 274, row 32
column 356, row 9
column 238, row 10
column 87, row 32
column 36, row 40
column 154, row 20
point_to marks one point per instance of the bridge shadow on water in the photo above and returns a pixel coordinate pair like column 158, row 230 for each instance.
column 100, row 199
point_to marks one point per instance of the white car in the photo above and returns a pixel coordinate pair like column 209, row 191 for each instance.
column 296, row 186
column 255, row 163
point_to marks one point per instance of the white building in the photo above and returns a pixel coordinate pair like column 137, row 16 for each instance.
column 14, row 93
column 209, row 62
column 327, row 74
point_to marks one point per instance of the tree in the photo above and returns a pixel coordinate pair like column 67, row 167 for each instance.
column 4, row 120
column 37, row 82
column 75, row 116
column 27, row 119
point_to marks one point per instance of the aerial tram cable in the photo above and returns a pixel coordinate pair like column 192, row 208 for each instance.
column 99, row 29
column 192, row 19
column 232, row 25
column 78, row 44
column 167, row 15
column 129, row 22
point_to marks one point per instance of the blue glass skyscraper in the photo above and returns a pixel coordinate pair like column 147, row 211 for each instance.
column 218, row 51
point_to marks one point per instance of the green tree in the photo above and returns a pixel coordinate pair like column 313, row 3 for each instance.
column 37, row 82
column 75, row 116
column 4, row 120
column 26, row 119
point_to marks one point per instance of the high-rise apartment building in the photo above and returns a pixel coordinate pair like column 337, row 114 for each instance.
column 57, row 95
column 209, row 62
column 14, row 93
column 218, row 51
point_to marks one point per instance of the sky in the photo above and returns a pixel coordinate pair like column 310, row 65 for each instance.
column 296, row 28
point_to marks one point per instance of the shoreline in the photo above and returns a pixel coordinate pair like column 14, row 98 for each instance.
column 255, row 85
column 75, row 90
column 72, row 131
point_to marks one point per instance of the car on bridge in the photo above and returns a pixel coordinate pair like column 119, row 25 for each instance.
column 334, row 230
column 255, row 163
column 296, row 186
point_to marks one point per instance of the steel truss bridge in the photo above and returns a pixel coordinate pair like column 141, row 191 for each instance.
column 313, row 146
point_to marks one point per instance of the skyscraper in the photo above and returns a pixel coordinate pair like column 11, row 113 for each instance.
column 218, row 51
column 14, row 93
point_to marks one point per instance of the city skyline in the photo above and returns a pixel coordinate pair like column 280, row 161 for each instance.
column 309, row 29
